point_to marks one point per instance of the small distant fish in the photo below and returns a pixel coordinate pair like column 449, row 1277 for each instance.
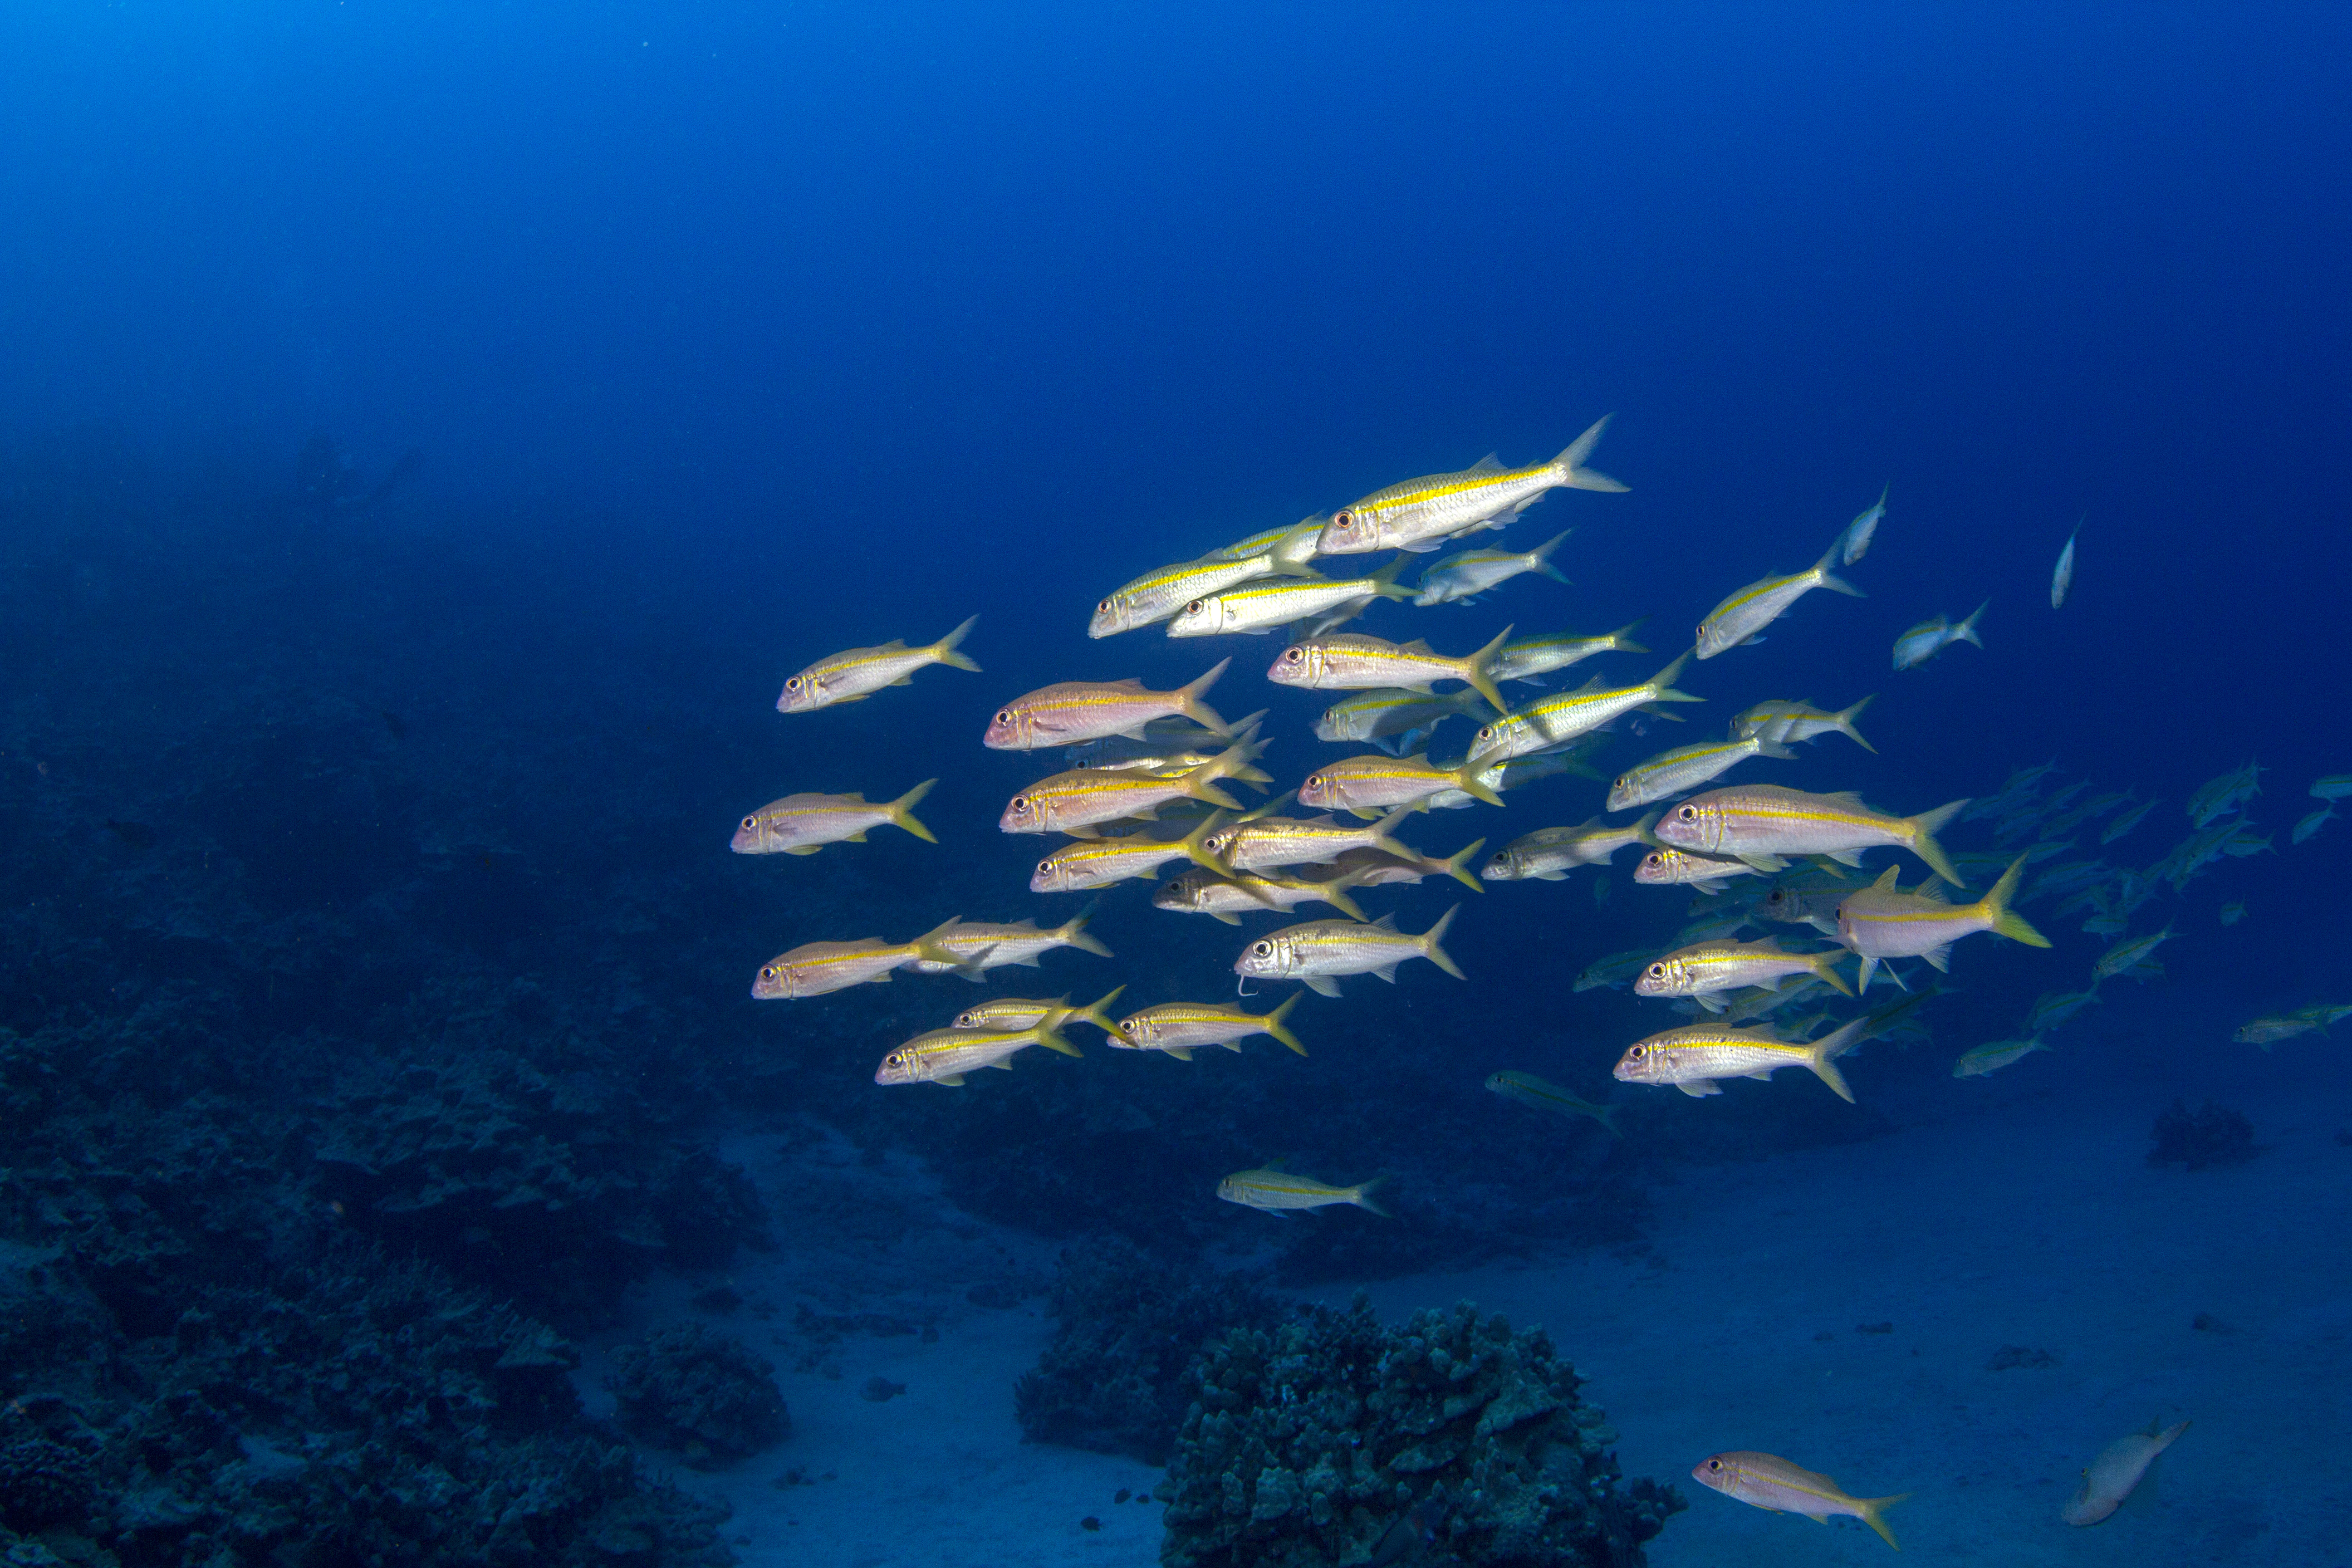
column 1459, row 579
column 2054, row 1008
column 1614, row 970
column 2231, row 913
column 1256, row 608
column 815, row 968
column 1418, row 514
column 1318, row 953
column 2129, row 954
column 2127, row 821
column 1517, row 772
column 1555, row 721
column 1177, row 1027
column 1991, row 1059
column 1278, row 1192
column 2219, row 796
column 1352, row 661
column 1773, row 1483
column 1810, row 899
column 2263, row 1032
column 1549, row 854
column 1790, row 722
column 2120, row 1467
column 1530, row 658
column 1928, row 638
column 1669, row 867
column 1763, row 823
column 945, row 1056
column 804, row 823
column 1670, row 773
column 1384, row 869
column 1528, row 1090
column 2334, row 787
column 855, row 674
column 2064, row 578
column 1074, row 711
column 1693, row 1059
column 1744, row 615
column 1268, row 843
column 1854, row 542
column 1712, row 967
column 2302, row 830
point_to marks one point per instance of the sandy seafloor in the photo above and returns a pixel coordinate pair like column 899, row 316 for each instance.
column 2005, row 1212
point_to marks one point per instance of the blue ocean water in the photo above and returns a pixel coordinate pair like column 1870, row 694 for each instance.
column 429, row 437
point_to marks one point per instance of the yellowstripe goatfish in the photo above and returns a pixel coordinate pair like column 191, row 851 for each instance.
column 857, row 673
column 1691, row 1059
column 1529, row 658
column 1670, row 867
column 944, row 1055
column 1419, row 513
column 1739, row 619
column 1257, row 608
column 1099, row 862
column 1549, row 854
column 1156, row 596
column 1763, row 823
column 1790, row 722
column 1177, row 1027
column 1882, row 922
column 1315, row 952
column 1074, row 711
column 1991, row 1059
column 814, row 968
column 1228, row 899
column 1554, row 720
column 1278, row 1192
column 804, row 823
column 1387, row 710
column 1670, row 773
column 1365, row 785
column 1713, row 966
column 1543, row 1095
column 1460, row 579
column 1268, row 842
column 1382, row 868
column 1074, row 802
column 1928, row 638
column 1774, row 1484
column 1351, row 661
column 1020, row 1012
column 973, row 947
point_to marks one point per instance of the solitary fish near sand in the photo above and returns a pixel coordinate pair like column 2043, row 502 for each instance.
column 1773, row 1483
column 2120, row 1467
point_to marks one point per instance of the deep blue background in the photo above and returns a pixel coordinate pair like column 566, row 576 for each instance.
column 737, row 337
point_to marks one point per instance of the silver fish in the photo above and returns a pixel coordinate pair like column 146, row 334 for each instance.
column 1418, row 514
column 1316, row 952
column 1460, row 579
column 2064, row 578
column 855, row 674
column 1928, row 638
column 1745, row 615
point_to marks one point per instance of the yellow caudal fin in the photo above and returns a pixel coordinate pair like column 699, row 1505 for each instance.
column 1360, row 1194
column 1458, row 865
column 1092, row 1013
column 928, row 949
column 1922, row 830
column 1872, row 1512
column 1189, row 703
column 1845, row 719
column 902, row 811
column 1192, row 841
column 944, row 650
column 1053, row 1042
column 1428, row 942
column 1384, row 580
column 1539, row 558
column 1072, row 934
column 1478, row 669
column 1465, row 779
column 1271, row 1022
column 1826, row 578
column 2003, row 920
column 1823, row 1054
column 1825, row 965
column 1388, row 825
column 1967, row 630
column 1570, row 461
column 1233, row 763
column 1662, row 684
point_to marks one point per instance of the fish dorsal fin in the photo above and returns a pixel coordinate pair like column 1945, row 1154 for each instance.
column 1847, row 799
column 1130, row 684
column 1418, row 644
column 1387, row 922
column 1325, row 820
column 1932, row 889
column 1492, row 463
column 1025, row 922
column 894, row 642
column 1885, row 882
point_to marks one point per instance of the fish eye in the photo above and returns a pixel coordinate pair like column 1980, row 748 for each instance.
column 1196, row 606
column 1688, row 814
column 792, row 683
column 1621, row 781
column 1487, row 733
column 1005, row 717
column 1019, row 803
column 1715, row 1464
column 1343, row 520
column 750, row 823
column 1104, row 606
column 1653, row 859
column 1294, row 654
column 1635, row 1054
column 1263, row 949
column 1127, row 1026
column 769, row 973
column 1315, row 781
column 1044, row 867
column 1657, row 972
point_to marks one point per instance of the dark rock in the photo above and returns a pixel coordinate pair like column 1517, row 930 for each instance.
column 1090, row 1522
column 2008, row 1357
column 880, row 1390
column 700, row 1393
column 2207, row 1323
column 2214, row 1135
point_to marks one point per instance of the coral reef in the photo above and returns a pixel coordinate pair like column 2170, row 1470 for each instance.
column 1310, row 1441
column 1113, row 1378
column 700, row 1393
column 2213, row 1135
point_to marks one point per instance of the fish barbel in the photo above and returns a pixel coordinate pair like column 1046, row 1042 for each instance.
column 1076, row 712
column 855, row 674
column 1418, row 514
column 804, row 823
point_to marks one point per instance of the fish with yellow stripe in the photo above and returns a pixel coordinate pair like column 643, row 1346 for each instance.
column 1701, row 971
column 1254, row 609
column 804, row 823
column 855, row 674
column 1280, row 1193
column 1160, row 594
column 1098, row 862
column 1549, row 854
column 1767, row 824
column 1369, row 785
column 1179, row 1028
column 1461, row 579
column 1266, row 843
column 973, row 947
column 1318, row 953
column 1020, row 1011
column 1228, row 899
column 1077, row 802
column 1557, row 720
column 1742, row 618
column 1532, row 659
column 1072, row 712
column 1351, row 661
column 1542, row 1094
column 1418, row 514
column 1882, row 921
column 816, row 968
column 1773, row 1484
column 945, row 1056
column 1691, row 1059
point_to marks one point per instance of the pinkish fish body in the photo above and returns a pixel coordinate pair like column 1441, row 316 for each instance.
column 1073, row 711
column 1769, row 1482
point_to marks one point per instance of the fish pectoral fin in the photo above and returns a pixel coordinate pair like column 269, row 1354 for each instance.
column 1321, row 984
column 1764, row 1074
column 803, row 849
column 903, row 680
column 1940, row 958
column 1551, row 876
column 1699, row 1088
column 1365, row 814
column 1181, row 1053
column 1232, row 1045
column 1711, row 1002
column 1767, row 864
column 858, row 837
column 951, row 1079
column 1229, row 919
column 1422, row 546
column 1001, row 1066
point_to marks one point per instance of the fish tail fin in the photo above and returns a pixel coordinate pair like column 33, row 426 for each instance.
column 944, row 650
column 1272, row 1023
column 1617, row 638
column 1478, row 669
column 1646, row 830
column 1193, row 841
column 1467, row 780
column 1923, row 829
column 1189, row 703
column 1872, row 1512
column 1570, row 461
column 1388, row 825
column 1053, row 1042
column 1384, row 580
column 1539, row 558
column 1831, row 557
column 928, row 949
column 1607, row 1116
column 1845, row 719
column 1825, row 965
column 902, row 811
column 2007, row 921
column 1662, row 683
column 1233, row 763
column 1360, row 1194
column 1303, row 534
column 1823, row 1054
column 1428, row 942
column 1967, row 630
column 1092, row 1013
column 1457, row 864
column 1073, row 933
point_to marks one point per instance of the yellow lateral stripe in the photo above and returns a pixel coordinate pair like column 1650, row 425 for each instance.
column 1451, row 486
